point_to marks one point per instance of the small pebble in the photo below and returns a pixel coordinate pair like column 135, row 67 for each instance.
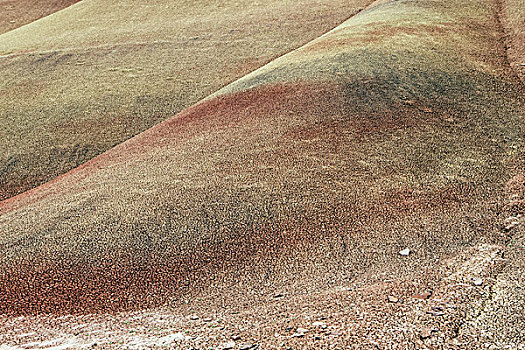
column 425, row 333
column 405, row 252
column 392, row 299
column 228, row 345
column 422, row 296
column 477, row 281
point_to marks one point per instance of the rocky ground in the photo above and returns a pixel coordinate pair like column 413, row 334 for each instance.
column 465, row 303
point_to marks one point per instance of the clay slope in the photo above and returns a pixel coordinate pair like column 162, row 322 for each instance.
column 17, row 13
column 513, row 20
column 398, row 128
column 89, row 77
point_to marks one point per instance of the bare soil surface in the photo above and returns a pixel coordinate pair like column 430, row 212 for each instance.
column 366, row 190
column 17, row 13
column 83, row 80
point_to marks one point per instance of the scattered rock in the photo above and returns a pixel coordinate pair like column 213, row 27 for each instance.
column 246, row 346
column 512, row 219
column 319, row 324
column 298, row 335
column 228, row 345
column 194, row 317
column 405, row 252
column 317, row 337
column 301, row 330
column 278, row 295
column 511, row 225
column 236, row 337
column 477, row 281
column 207, row 320
column 168, row 339
column 392, row 299
column 425, row 333
column 435, row 313
column 422, row 296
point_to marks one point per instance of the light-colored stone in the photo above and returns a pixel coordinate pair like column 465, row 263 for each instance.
column 228, row 345
column 405, row 252
column 392, row 299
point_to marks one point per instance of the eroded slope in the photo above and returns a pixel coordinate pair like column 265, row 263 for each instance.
column 16, row 13
column 87, row 78
column 398, row 128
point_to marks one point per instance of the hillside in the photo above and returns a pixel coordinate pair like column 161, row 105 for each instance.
column 89, row 77
column 286, row 196
column 17, row 13
column 513, row 20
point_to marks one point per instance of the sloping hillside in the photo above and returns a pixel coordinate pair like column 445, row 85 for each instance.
column 16, row 13
column 513, row 20
column 394, row 129
column 78, row 82
column 287, row 196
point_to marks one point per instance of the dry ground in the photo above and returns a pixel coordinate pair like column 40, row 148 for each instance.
column 87, row 78
column 17, row 13
column 513, row 20
column 285, row 198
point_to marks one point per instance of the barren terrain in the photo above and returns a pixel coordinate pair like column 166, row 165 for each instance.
column 17, row 13
column 364, row 190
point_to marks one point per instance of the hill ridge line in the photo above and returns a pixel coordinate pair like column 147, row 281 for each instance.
column 209, row 97
column 38, row 19
column 218, row 92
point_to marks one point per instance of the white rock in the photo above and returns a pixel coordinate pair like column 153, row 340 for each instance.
column 301, row 330
column 319, row 324
column 477, row 281
column 172, row 338
column 405, row 252
column 228, row 345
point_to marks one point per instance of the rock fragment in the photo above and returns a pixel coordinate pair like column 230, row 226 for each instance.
column 425, row 333
column 477, row 282
column 228, row 345
column 319, row 324
column 392, row 299
column 422, row 296
column 301, row 330
column 405, row 252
